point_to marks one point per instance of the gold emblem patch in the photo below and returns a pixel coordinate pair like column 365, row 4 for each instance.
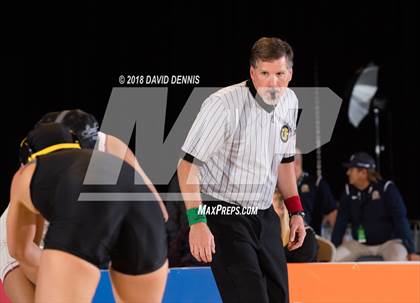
column 376, row 195
column 304, row 188
column 284, row 133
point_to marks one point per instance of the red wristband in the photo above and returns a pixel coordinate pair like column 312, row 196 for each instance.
column 293, row 204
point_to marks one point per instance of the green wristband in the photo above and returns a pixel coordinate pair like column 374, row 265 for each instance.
column 194, row 217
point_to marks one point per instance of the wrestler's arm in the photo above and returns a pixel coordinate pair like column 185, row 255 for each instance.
column 22, row 225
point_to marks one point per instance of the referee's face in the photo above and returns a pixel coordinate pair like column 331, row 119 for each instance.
column 271, row 77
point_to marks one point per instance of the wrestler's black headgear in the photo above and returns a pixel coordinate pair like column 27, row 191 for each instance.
column 45, row 139
column 83, row 124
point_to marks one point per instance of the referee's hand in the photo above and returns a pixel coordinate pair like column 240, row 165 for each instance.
column 202, row 242
column 297, row 232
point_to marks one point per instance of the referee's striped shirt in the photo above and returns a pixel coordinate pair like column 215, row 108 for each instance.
column 240, row 141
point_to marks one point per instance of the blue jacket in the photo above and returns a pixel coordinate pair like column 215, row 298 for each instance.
column 379, row 209
column 317, row 199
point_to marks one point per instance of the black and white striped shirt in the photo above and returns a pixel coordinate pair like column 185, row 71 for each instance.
column 240, row 141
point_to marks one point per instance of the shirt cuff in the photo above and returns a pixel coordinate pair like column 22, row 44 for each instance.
column 288, row 159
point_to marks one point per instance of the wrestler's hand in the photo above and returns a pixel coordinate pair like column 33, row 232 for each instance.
column 202, row 242
column 297, row 232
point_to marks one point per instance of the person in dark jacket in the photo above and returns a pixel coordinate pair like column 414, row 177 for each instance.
column 377, row 214
column 317, row 199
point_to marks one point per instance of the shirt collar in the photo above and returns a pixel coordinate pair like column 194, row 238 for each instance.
column 260, row 101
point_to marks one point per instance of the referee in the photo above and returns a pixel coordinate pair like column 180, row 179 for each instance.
column 242, row 145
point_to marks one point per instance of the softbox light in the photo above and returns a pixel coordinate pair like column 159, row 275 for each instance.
column 362, row 94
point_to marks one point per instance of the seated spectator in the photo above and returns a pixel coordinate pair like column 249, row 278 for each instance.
column 316, row 196
column 377, row 215
column 305, row 253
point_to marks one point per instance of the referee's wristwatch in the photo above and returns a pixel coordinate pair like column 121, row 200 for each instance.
column 298, row 213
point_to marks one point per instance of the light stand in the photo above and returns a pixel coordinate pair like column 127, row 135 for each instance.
column 378, row 106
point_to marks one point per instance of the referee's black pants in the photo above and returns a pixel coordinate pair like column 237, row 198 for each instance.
column 249, row 264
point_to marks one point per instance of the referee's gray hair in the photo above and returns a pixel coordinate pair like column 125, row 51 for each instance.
column 271, row 48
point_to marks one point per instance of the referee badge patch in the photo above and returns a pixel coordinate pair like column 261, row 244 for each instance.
column 284, row 133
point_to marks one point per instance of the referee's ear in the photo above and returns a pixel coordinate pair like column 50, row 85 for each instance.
column 251, row 72
column 290, row 74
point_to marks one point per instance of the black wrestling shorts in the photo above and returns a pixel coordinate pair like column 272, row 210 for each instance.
column 128, row 234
